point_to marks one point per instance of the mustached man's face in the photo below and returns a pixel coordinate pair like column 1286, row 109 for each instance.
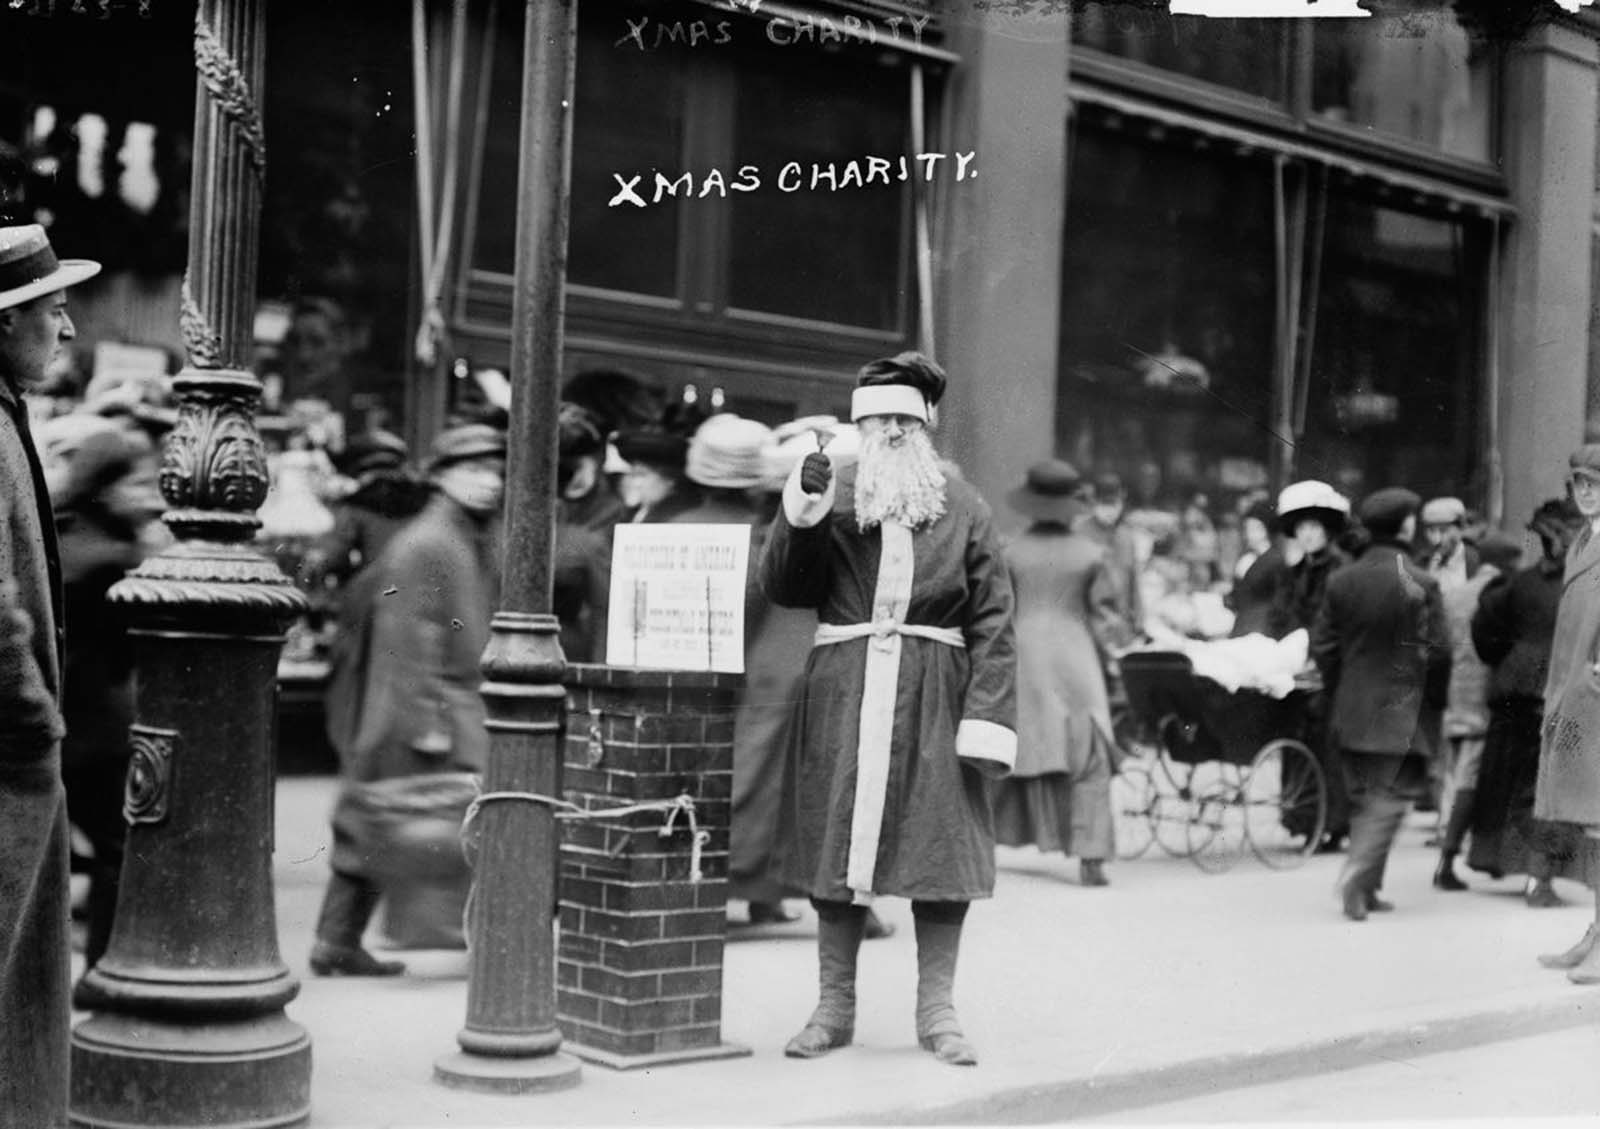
column 893, row 428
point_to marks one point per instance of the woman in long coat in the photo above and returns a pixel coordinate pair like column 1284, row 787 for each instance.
column 1568, row 787
column 1059, row 795
column 1512, row 631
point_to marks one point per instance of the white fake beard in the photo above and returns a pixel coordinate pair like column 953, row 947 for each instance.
column 901, row 484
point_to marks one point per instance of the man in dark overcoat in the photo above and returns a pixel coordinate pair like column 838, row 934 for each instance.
column 35, row 952
column 404, row 689
column 1382, row 645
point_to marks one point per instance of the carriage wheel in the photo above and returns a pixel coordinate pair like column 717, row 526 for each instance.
column 1174, row 807
column 1132, row 736
column 1285, row 804
column 1216, row 827
column 1134, row 801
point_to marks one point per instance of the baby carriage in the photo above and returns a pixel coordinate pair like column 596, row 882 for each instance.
column 1224, row 771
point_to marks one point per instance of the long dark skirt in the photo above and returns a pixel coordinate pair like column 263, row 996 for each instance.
column 1504, row 832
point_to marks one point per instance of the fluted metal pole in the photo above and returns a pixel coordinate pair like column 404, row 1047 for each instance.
column 189, row 1027
column 511, row 1041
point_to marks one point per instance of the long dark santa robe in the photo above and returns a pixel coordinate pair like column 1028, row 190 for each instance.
column 932, row 732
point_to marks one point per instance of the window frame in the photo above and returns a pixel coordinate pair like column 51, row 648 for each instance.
column 700, row 310
column 1294, row 118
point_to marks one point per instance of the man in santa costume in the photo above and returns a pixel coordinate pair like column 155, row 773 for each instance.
column 908, row 706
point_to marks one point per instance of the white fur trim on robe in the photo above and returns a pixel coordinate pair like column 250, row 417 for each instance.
column 879, row 689
column 804, row 510
column 987, row 747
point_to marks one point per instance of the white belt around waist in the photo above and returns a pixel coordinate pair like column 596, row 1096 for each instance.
column 844, row 632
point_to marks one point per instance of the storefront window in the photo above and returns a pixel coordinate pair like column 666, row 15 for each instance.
column 629, row 120
column 338, row 209
column 1394, row 375
column 815, row 253
column 1418, row 76
column 1167, row 316
column 1247, row 55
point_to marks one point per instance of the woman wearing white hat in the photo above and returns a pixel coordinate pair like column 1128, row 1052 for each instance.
column 1311, row 515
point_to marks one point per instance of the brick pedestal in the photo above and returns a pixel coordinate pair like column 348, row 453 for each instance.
column 639, row 967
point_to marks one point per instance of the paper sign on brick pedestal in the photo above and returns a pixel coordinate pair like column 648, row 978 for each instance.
column 677, row 597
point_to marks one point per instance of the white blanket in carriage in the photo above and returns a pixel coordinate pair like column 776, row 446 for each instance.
column 1250, row 662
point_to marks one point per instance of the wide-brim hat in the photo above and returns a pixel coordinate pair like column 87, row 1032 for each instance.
column 1052, row 490
column 1314, row 500
column 29, row 268
column 661, row 449
column 726, row 452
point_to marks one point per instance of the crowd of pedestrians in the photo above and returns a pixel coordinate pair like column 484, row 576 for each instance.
column 918, row 687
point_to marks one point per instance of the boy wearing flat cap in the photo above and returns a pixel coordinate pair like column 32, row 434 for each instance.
column 35, row 958
column 1381, row 644
column 908, row 701
column 1568, row 787
column 1456, row 734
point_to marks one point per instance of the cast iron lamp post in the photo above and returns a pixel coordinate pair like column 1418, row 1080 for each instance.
column 511, row 1041
column 189, row 1027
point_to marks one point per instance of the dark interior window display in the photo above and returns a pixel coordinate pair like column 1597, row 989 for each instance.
column 632, row 121
column 338, row 205
column 629, row 113
column 1167, row 316
column 106, row 146
column 819, row 253
column 1395, row 384
column 1247, row 55
column 1412, row 72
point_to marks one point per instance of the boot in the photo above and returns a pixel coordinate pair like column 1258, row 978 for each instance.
column 346, row 908
column 1541, row 894
column 1444, row 875
column 1092, row 872
column 938, row 1029
column 1587, row 971
column 833, row 1023
column 877, row 928
column 1576, row 955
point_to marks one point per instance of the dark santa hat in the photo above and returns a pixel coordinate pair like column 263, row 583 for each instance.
column 907, row 384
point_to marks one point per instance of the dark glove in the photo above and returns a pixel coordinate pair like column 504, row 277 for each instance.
column 815, row 473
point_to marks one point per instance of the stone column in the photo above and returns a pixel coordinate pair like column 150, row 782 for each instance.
column 1549, row 141
column 999, row 272
column 189, row 1026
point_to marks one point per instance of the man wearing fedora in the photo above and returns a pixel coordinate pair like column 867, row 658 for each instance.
column 403, row 695
column 908, row 703
column 1383, row 648
column 35, row 953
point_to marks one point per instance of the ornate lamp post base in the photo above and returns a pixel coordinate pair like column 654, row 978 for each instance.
column 131, row 1070
column 462, row 1071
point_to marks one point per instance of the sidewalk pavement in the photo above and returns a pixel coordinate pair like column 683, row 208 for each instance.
column 1167, row 983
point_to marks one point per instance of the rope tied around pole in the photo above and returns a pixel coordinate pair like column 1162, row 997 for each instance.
column 681, row 804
